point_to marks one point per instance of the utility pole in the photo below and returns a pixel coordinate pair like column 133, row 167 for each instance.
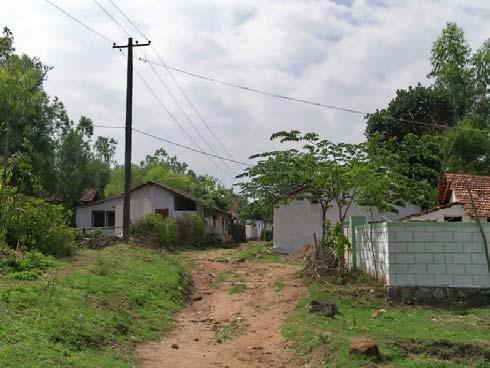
column 127, row 146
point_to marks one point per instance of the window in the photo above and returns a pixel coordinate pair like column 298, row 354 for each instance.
column 110, row 219
column 98, row 218
column 103, row 219
column 453, row 218
column 184, row 204
column 162, row 212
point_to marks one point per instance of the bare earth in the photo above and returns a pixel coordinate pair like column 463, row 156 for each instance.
column 231, row 330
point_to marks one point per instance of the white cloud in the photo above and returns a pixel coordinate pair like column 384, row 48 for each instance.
column 347, row 53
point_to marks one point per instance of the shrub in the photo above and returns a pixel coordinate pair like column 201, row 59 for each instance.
column 198, row 230
column 237, row 231
column 26, row 266
column 212, row 239
column 38, row 225
column 192, row 230
column 172, row 231
column 184, row 225
column 266, row 235
column 154, row 231
column 149, row 231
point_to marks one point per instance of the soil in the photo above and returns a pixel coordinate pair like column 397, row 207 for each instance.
column 236, row 329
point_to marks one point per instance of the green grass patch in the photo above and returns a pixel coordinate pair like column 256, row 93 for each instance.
column 226, row 277
column 279, row 284
column 228, row 331
column 442, row 336
column 238, row 288
column 90, row 314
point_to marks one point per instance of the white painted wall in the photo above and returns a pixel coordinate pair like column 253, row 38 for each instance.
column 438, row 254
column 144, row 200
column 438, row 215
column 295, row 222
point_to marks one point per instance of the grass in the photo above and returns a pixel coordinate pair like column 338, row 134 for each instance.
column 226, row 277
column 407, row 336
column 279, row 284
column 91, row 310
column 228, row 331
column 237, row 288
column 257, row 252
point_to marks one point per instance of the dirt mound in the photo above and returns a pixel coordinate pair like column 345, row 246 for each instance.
column 302, row 253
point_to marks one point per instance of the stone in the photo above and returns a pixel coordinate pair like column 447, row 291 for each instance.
column 365, row 348
column 377, row 313
column 324, row 307
column 175, row 346
column 196, row 298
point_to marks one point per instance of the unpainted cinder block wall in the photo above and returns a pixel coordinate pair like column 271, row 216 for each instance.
column 433, row 254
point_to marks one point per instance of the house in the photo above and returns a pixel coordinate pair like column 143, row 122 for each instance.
column 297, row 221
column 461, row 197
column 254, row 228
column 150, row 197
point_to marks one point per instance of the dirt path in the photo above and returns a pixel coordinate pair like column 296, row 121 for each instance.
column 225, row 329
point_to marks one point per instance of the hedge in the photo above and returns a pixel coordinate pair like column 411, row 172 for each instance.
column 154, row 231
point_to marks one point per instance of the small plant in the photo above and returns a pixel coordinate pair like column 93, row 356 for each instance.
column 95, row 234
column 228, row 331
column 266, row 235
column 238, row 288
column 27, row 266
column 279, row 284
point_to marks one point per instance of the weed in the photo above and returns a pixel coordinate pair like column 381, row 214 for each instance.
column 238, row 288
column 226, row 277
column 279, row 284
column 393, row 330
column 83, row 320
column 228, row 331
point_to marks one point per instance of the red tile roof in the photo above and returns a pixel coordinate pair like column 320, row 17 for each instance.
column 89, row 195
column 463, row 187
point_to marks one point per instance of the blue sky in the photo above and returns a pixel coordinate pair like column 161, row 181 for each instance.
column 347, row 53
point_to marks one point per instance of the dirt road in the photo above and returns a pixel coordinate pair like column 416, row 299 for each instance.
column 235, row 318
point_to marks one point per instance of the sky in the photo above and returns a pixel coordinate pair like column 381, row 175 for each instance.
column 348, row 53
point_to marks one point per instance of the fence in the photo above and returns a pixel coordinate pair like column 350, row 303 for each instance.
column 439, row 255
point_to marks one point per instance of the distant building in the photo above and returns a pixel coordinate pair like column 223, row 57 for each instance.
column 461, row 198
column 296, row 222
column 151, row 197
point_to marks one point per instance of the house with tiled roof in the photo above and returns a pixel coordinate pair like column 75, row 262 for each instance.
column 461, row 198
column 150, row 197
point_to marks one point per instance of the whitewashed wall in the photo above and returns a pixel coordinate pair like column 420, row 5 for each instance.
column 438, row 254
column 295, row 222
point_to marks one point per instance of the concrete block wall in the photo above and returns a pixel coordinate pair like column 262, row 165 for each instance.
column 433, row 254
column 372, row 250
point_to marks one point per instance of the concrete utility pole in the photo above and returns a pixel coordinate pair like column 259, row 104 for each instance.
column 129, row 122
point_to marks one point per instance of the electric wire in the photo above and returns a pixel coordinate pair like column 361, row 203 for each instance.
column 165, row 85
column 174, row 143
column 201, row 118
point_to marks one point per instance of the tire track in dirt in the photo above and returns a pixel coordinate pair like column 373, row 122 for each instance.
column 220, row 329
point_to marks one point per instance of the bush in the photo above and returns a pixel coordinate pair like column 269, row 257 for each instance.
column 38, row 225
column 149, row 231
column 192, row 230
column 212, row 239
column 154, row 231
column 266, row 235
column 27, row 266
column 198, row 230
column 237, row 231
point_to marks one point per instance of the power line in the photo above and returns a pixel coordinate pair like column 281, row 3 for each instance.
column 178, row 86
column 166, row 87
column 175, row 144
column 79, row 22
column 113, row 19
column 172, row 117
column 309, row 102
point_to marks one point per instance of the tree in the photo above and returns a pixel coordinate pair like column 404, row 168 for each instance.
column 429, row 105
column 105, row 149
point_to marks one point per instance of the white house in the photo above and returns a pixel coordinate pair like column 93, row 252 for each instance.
column 151, row 197
column 296, row 222
column 461, row 198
